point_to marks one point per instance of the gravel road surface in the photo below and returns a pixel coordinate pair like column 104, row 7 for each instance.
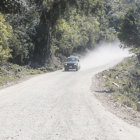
column 60, row 106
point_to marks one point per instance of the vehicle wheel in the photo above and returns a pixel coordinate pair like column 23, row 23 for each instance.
column 76, row 68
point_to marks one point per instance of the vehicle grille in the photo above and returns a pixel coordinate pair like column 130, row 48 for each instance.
column 71, row 65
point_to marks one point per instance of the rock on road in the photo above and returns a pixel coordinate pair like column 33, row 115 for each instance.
column 59, row 106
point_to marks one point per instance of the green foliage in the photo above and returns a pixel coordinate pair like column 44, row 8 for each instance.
column 43, row 28
column 21, row 48
column 75, row 32
column 5, row 34
column 12, row 6
column 130, row 28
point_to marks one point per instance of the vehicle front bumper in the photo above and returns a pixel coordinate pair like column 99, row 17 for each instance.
column 68, row 66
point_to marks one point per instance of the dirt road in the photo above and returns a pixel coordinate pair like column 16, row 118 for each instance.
column 59, row 106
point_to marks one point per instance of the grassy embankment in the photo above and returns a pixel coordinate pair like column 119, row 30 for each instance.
column 11, row 73
column 123, row 81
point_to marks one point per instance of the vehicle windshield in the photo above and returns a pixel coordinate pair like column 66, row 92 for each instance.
column 71, row 59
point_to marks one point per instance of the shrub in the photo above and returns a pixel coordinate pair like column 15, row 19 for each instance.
column 5, row 34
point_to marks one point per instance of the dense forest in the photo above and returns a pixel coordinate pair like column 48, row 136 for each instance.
column 32, row 32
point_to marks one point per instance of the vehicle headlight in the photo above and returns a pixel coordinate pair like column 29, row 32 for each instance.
column 65, row 64
column 75, row 64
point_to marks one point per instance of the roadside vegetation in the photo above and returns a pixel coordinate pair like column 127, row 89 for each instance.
column 123, row 81
column 13, row 73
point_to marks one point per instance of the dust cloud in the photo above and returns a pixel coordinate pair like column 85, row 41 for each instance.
column 103, row 54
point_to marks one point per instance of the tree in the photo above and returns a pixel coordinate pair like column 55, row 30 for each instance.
column 5, row 34
column 130, row 30
column 12, row 6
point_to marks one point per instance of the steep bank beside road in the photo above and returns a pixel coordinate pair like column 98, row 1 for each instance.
column 12, row 74
column 120, row 89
